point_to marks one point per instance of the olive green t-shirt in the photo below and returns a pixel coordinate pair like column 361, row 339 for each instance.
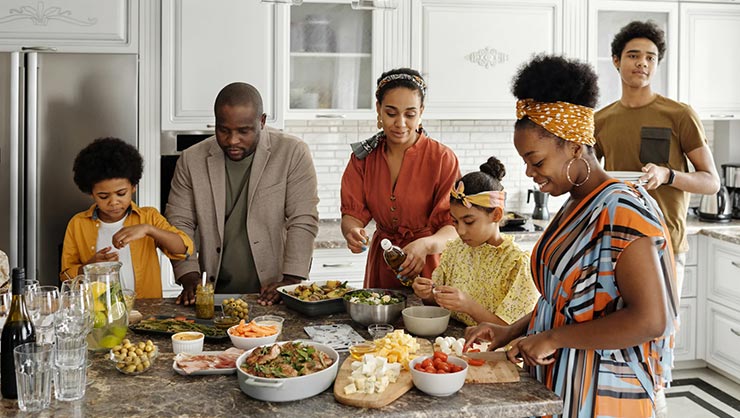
column 238, row 273
column 661, row 132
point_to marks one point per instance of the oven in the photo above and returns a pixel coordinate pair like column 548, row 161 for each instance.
column 172, row 145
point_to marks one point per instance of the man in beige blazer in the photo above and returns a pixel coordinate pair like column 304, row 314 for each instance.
column 253, row 241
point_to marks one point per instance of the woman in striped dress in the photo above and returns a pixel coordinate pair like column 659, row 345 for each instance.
column 601, row 334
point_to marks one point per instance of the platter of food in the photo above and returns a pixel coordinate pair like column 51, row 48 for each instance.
column 315, row 298
column 169, row 325
column 515, row 219
column 207, row 362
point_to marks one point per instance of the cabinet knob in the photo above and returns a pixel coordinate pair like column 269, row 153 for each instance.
column 329, row 116
column 211, row 125
column 735, row 263
column 723, row 116
column 734, row 331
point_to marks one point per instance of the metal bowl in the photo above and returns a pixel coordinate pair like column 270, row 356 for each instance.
column 375, row 314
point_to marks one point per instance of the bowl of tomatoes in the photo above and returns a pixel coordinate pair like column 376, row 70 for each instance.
column 438, row 375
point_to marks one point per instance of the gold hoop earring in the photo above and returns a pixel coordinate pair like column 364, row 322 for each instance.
column 567, row 171
column 380, row 123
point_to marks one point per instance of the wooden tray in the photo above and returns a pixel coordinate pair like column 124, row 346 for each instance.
column 376, row 400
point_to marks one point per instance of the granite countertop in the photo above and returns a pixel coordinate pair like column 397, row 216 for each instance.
column 725, row 231
column 162, row 392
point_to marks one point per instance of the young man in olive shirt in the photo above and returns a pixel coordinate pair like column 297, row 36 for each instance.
column 644, row 131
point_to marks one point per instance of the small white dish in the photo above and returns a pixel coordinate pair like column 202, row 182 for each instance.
column 188, row 342
column 180, row 371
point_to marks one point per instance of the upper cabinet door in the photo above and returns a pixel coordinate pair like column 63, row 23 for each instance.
column 209, row 44
column 606, row 18
column 70, row 25
column 469, row 51
column 710, row 58
column 335, row 55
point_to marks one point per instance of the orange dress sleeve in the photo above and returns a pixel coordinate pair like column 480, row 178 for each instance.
column 353, row 201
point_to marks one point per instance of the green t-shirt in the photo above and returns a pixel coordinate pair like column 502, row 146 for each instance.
column 238, row 273
column 627, row 136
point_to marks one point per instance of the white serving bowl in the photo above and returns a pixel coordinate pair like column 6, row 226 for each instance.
column 193, row 346
column 426, row 321
column 246, row 343
column 289, row 388
column 439, row 384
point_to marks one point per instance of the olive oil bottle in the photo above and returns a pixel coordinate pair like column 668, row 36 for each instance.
column 18, row 330
column 394, row 257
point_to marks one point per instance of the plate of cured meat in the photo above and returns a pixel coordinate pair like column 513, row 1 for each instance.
column 207, row 362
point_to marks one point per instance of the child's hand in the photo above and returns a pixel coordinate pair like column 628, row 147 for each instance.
column 452, row 299
column 423, row 287
column 103, row 255
column 130, row 233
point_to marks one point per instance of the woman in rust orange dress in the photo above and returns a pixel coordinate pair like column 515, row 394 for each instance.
column 402, row 179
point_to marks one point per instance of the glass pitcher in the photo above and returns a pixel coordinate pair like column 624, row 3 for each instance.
column 110, row 316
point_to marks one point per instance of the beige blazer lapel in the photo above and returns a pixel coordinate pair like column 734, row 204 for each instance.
column 261, row 157
column 217, row 179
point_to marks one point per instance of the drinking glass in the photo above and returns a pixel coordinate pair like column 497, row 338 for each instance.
column 70, row 370
column 73, row 319
column 45, row 300
column 29, row 287
column 34, row 367
column 129, row 296
column 378, row 331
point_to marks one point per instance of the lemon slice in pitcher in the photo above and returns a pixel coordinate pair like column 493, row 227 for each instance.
column 98, row 288
column 117, row 310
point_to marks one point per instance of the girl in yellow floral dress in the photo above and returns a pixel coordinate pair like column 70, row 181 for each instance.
column 483, row 276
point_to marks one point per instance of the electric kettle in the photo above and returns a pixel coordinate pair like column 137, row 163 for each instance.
column 716, row 207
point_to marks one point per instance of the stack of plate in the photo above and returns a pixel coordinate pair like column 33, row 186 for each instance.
column 632, row 176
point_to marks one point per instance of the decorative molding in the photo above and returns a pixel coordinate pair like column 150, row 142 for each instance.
column 487, row 57
column 40, row 15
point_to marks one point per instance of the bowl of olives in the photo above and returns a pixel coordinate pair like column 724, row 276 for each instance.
column 133, row 358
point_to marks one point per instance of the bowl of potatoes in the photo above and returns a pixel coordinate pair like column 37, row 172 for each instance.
column 133, row 358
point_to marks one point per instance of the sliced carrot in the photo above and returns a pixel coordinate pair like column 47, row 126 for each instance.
column 252, row 330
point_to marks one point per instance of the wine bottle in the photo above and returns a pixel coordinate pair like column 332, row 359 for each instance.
column 394, row 257
column 18, row 330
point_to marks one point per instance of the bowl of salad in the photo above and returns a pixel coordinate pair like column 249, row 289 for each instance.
column 374, row 306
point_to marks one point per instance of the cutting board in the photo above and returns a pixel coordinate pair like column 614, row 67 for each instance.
column 497, row 369
column 376, row 400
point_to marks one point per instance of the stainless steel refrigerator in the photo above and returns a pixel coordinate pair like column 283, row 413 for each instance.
column 51, row 106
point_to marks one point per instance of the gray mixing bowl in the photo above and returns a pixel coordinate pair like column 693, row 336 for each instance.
column 375, row 314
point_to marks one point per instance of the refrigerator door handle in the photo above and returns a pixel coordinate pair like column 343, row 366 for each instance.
column 15, row 143
column 31, row 193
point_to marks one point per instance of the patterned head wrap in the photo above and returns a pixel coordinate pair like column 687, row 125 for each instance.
column 413, row 78
column 568, row 121
column 490, row 199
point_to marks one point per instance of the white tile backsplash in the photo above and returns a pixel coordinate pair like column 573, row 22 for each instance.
column 472, row 140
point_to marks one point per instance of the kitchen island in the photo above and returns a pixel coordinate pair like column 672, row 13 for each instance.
column 162, row 392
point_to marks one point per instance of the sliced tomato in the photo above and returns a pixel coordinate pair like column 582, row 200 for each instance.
column 476, row 362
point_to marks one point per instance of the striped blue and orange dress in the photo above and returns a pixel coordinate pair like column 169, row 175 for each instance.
column 573, row 265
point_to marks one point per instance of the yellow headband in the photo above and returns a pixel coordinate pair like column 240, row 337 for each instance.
column 491, row 199
column 568, row 121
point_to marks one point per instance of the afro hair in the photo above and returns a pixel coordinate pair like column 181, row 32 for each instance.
column 549, row 78
column 648, row 30
column 105, row 159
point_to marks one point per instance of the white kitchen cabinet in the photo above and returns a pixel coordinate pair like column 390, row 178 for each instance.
column 469, row 51
column 606, row 18
column 209, row 44
column 335, row 54
column 723, row 339
column 685, row 345
column 686, row 337
column 723, row 306
column 338, row 264
column 709, row 58
column 70, row 25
